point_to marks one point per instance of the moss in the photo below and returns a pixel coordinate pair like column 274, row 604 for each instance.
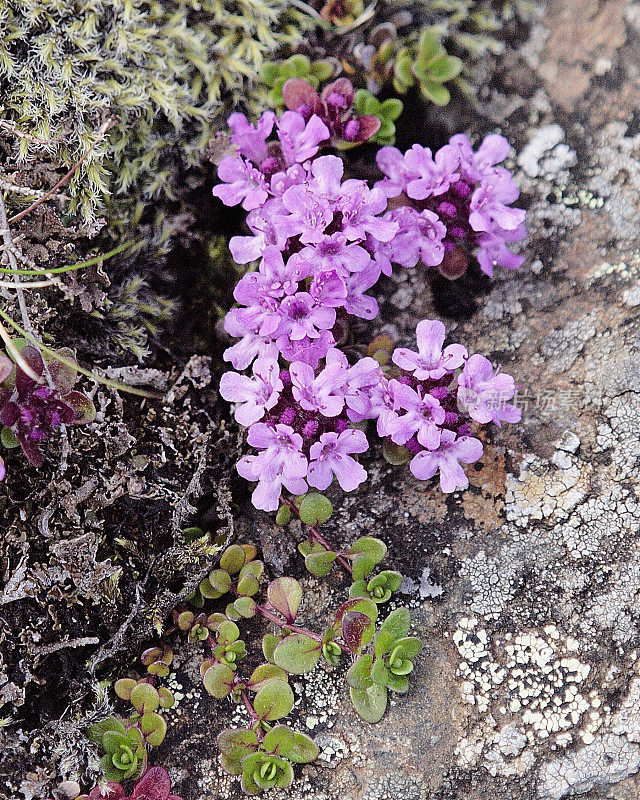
column 162, row 70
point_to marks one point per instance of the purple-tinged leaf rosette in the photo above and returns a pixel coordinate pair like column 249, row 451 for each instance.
column 30, row 410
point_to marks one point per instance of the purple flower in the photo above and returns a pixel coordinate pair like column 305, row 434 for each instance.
column 255, row 395
column 391, row 162
column 475, row 165
column 419, row 238
column 362, row 378
column 357, row 302
column 33, row 410
column 251, row 344
column 274, row 280
column 308, row 350
column 264, row 222
column 302, row 316
column 308, row 215
column 428, row 176
column 360, row 208
column 322, row 392
column 446, row 459
column 430, row 362
column 251, row 140
column 493, row 250
column 331, row 456
column 334, row 252
column 326, row 182
column 483, row 393
column 300, row 140
column 242, row 183
column 281, row 463
column 490, row 204
column 424, row 416
column 328, row 289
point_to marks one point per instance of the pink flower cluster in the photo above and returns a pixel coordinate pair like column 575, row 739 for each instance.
column 300, row 418
column 321, row 241
column 451, row 205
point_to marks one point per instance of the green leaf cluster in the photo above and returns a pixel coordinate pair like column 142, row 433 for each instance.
column 387, row 112
column 123, row 749
column 373, row 674
column 264, row 764
column 428, row 66
column 275, row 73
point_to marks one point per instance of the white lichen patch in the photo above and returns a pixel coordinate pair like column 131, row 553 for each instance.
column 546, row 491
column 533, row 682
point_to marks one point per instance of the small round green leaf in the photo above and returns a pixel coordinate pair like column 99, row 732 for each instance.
column 274, row 700
column 315, row 509
column 370, row 703
column 218, row 680
column 297, row 653
column 285, row 595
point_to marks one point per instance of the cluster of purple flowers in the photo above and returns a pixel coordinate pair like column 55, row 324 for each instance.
column 451, row 205
column 300, row 418
column 321, row 241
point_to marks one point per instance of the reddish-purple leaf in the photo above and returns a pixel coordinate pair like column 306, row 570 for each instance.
column 155, row 784
column 6, row 367
column 343, row 87
column 299, row 95
column 354, row 626
column 368, row 126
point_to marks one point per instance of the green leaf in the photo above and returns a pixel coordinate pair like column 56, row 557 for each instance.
column 392, row 108
column 358, row 589
column 96, row 731
column 279, row 741
column 370, row 703
column 263, row 673
column 144, row 698
column 154, row 728
column 269, row 72
column 397, row 683
column 436, row 92
column 429, row 46
column 395, row 454
column 320, row 564
column 283, row 517
column 362, row 567
column 269, row 643
column 249, row 578
column 237, row 743
column 167, row 700
column 230, row 765
column 379, row 672
column 233, row 559
column 248, row 785
column 218, row 680
column 359, row 674
column 8, row 438
column 227, row 632
column 123, row 687
column 285, row 595
column 245, row 607
column 445, row 68
column 274, row 700
column 285, row 776
column 315, row 509
column 304, row 749
column 409, row 646
column 376, row 549
column 297, row 653
column 397, row 624
column 82, row 405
